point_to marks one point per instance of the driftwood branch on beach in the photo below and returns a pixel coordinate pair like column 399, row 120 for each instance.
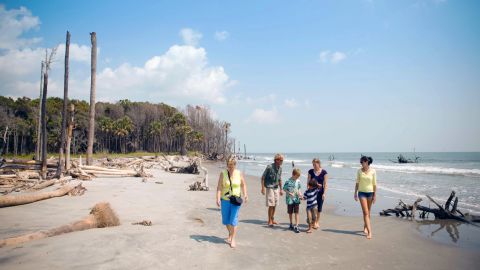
column 441, row 212
column 25, row 198
column 100, row 216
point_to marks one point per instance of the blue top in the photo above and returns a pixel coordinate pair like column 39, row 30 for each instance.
column 320, row 178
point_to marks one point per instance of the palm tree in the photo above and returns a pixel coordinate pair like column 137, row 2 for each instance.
column 123, row 127
column 105, row 125
column 182, row 132
column 155, row 130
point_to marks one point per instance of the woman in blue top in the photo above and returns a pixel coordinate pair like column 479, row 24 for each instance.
column 321, row 176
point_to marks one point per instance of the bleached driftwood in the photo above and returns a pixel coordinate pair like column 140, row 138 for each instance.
column 12, row 200
column 101, row 216
column 441, row 212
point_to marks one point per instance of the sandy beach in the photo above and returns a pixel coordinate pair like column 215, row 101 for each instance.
column 187, row 233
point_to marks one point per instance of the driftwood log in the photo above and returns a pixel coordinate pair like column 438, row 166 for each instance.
column 12, row 200
column 448, row 211
column 101, row 216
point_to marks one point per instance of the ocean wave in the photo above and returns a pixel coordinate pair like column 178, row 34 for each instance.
column 428, row 169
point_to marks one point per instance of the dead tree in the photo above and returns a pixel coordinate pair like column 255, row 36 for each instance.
column 441, row 212
column 91, row 122
column 48, row 62
column 61, row 160
column 69, row 136
column 12, row 200
column 39, row 123
column 101, row 216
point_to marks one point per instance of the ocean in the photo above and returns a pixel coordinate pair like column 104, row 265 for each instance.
column 436, row 174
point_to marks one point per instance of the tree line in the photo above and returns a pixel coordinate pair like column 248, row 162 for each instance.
column 120, row 127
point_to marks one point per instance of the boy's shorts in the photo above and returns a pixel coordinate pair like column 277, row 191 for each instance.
column 293, row 208
column 271, row 196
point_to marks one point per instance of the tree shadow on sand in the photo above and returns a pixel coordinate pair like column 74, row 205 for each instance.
column 206, row 238
column 359, row 233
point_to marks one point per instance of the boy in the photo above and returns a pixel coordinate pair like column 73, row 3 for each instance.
column 293, row 195
column 310, row 196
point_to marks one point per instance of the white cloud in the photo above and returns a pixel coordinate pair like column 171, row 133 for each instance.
column 180, row 75
column 262, row 116
column 190, row 36
column 221, row 35
column 13, row 23
column 291, row 103
column 337, row 57
column 332, row 57
column 80, row 53
column 183, row 71
column 261, row 100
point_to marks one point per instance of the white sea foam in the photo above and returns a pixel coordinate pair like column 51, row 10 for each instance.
column 427, row 169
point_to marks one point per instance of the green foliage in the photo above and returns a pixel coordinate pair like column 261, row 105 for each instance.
column 120, row 127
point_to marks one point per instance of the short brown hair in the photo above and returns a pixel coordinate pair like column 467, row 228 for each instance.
column 316, row 160
column 296, row 171
column 312, row 183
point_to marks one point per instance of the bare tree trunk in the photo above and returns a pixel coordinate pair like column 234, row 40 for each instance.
column 69, row 137
column 61, row 160
column 101, row 216
column 15, row 141
column 39, row 123
column 44, row 126
column 91, row 124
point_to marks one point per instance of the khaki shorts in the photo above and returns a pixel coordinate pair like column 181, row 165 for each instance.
column 271, row 195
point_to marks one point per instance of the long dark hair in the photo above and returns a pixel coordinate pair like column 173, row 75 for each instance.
column 367, row 159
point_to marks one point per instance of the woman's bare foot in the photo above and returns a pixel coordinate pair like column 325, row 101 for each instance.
column 369, row 236
column 233, row 244
column 365, row 231
column 228, row 240
column 316, row 226
column 309, row 231
column 274, row 222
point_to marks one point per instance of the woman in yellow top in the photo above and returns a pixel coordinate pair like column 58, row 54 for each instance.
column 365, row 190
column 229, row 210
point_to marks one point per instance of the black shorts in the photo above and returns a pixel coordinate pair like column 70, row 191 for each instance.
column 293, row 208
column 319, row 202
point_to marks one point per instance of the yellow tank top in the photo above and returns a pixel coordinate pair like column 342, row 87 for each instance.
column 367, row 180
column 236, row 183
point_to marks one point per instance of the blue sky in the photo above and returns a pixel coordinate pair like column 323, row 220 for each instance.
column 291, row 76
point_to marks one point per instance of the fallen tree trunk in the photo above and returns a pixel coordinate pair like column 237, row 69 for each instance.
column 101, row 216
column 440, row 212
column 12, row 200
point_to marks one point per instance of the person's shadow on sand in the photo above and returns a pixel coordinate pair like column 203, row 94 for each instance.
column 280, row 226
column 206, row 238
column 359, row 233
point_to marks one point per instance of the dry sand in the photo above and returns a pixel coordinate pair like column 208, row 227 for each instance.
column 187, row 234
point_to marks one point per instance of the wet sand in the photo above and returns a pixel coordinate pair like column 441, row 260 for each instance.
column 187, row 234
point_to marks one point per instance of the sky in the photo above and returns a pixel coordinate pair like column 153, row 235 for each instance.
column 290, row 76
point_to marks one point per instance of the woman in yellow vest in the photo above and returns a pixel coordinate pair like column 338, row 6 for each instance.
column 230, row 182
column 365, row 190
